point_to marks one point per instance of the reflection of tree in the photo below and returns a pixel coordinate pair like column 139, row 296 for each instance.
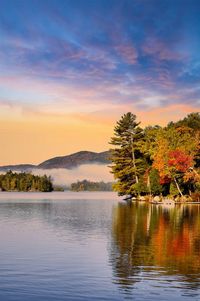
column 147, row 237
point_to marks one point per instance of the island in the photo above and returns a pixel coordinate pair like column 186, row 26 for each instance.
column 86, row 185
column 12, row 181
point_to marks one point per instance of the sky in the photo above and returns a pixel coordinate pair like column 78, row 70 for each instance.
column 70, row 68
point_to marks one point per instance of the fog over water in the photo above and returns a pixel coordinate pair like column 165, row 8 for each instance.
column 91, row 172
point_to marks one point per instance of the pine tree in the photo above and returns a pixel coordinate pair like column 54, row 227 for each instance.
column 128, row 163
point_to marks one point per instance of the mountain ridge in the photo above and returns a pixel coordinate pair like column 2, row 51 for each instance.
column 67, row 162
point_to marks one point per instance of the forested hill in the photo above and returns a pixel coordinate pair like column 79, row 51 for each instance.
column 74, row 160
column 69, row 161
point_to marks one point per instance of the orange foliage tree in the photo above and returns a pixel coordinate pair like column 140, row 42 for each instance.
column 171, row 164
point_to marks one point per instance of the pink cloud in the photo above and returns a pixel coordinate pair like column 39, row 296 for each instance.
column 161, row 51
column 127, row 52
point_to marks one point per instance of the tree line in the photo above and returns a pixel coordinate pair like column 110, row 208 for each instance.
column 86, row 185
column 156, row 160
column 12, row 181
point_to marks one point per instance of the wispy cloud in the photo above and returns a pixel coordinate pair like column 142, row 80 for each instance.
column 91, row 61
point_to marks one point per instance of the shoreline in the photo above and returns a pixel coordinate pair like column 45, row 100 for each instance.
column 170, row 202
column 56, row 195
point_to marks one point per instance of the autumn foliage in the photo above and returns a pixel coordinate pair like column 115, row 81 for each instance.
column 179, row 160
column 157, row 160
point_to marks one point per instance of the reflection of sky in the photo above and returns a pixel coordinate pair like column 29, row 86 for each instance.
column 90, row 61
column 55, row 250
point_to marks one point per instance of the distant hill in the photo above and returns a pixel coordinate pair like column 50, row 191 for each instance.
column 68, row 162
column 18, row 167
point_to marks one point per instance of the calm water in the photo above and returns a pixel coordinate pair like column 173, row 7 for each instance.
column 90, row 246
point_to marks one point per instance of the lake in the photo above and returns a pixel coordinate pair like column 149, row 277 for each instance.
column 93, row 246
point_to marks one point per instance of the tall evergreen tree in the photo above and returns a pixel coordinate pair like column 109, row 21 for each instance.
column 127, row 160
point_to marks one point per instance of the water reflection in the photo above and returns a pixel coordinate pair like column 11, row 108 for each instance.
column 154, row 243
column 98, row 249
column 64, row 217
column 56, row 249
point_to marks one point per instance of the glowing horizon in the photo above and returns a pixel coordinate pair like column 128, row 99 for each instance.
column 70, row 69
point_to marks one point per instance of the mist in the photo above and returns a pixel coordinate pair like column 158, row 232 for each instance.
column 91, row 172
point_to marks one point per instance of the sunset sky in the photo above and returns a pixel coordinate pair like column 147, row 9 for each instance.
column 70, row 68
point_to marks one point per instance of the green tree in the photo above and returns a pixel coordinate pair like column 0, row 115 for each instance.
column 192, row 121
column 128, row 161
column 156, row 187
column 25, row 182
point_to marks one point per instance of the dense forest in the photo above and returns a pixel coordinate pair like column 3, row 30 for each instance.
column 86, row 185
column 157, row 160
column 12, row 181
